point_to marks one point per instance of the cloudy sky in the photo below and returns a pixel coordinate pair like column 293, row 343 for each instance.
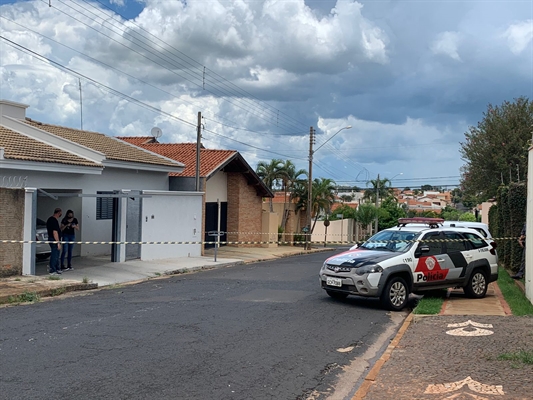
column 410, row 77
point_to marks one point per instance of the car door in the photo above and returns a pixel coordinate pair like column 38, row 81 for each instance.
column 459, row 255
column 431, row 265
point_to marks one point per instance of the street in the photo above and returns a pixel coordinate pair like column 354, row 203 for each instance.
column 257, row 331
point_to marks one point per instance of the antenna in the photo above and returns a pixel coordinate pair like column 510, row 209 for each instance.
column 156, row 132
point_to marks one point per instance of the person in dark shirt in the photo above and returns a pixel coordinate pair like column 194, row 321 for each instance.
column 522, row 240
column 69, row 226
column 54, row 234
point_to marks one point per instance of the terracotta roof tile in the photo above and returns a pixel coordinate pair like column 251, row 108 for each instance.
column 185, row 153
column 21, row 147
column 113, row 148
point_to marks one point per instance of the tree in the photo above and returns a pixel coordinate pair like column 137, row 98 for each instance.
column 385, row 189
column 323, row 197
column 346, row 198
column 270, row 173
column 426, row 188
column 495, row 151
column 345, row 210
column 366, row 214
column 289, row 178
column 450, row 214
column 391, row 212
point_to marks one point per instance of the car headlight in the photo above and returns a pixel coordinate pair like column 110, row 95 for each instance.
column 368, row 269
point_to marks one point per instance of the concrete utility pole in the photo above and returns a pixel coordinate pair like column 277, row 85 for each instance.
column 310, row 188
column 377, row 201
column 198, row 146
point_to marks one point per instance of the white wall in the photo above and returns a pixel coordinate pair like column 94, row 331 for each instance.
column 217, row 188
column 338, row 230
column 110, row 179
column 171, row 216
column 529, row 228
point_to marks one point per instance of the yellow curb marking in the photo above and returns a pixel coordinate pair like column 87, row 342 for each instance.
column 460, row 331
column 473, row 385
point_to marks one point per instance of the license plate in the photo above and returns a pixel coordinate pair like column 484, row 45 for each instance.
column 334, row 282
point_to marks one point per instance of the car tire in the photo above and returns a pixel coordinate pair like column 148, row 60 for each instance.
column 477, row 285
column 336, row 295
column 41, row 257
column 395, row 295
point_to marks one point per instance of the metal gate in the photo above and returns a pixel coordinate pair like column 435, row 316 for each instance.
column 211, row 221
column 133, row 225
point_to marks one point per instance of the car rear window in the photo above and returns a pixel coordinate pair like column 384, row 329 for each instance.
column 475, row 240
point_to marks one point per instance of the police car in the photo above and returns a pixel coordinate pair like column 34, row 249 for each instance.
column 417, row 255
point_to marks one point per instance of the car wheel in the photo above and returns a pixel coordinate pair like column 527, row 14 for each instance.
column 41, row 257
column 477, row 285
column 336, row 295
column 395, row 295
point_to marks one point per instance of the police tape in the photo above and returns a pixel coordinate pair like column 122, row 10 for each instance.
column 300, row 242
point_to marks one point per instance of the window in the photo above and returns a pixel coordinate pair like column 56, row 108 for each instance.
column 455, row 242
column 475, row 240
column 434, row 243
column 104, row 206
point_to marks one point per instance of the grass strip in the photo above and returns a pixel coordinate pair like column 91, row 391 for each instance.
column 431, row 303
column 513, row 295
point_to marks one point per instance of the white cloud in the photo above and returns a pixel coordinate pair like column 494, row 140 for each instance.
column 288, row 65
column 519, row 36
column 447, row 43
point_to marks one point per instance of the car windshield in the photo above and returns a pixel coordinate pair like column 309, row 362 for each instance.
column 396, row 241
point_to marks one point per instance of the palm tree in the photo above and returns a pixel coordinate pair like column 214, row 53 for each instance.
column 270, row 174
column 323, row 197
column 290, row 177
column 385, row 189
column 366, row 214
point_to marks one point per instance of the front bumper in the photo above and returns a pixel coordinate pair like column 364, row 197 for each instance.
column 356, row 285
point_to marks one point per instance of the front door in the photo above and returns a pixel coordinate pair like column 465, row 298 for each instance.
column 211, row 221
column 431, row 267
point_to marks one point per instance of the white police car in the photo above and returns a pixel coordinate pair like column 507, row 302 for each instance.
column 417, row 255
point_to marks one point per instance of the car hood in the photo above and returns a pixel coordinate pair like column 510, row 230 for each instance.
column 359, row 258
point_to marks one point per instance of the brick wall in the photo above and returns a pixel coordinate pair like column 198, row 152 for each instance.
column 244, row 211
column 11, row 228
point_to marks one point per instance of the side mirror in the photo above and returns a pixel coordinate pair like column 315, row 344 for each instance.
column 421, row 250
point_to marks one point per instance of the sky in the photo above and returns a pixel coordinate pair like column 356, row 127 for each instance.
column 409, row 77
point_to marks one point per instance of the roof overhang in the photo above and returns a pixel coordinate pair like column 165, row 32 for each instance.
column 49, row 167
column 142, row 166
column 237, row 163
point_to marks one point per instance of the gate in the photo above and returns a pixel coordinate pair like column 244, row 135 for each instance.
column 211, row 221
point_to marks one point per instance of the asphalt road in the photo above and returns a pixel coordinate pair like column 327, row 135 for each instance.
column 257, row 331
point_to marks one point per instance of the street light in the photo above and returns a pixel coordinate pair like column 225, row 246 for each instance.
column 310, row 183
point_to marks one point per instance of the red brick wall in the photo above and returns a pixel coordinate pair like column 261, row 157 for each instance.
column 11, row 228
column 244, row 211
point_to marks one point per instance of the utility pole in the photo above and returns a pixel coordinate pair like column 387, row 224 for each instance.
column 310, row 188
column 81, row 105
column 198, row 145
column 377, row 200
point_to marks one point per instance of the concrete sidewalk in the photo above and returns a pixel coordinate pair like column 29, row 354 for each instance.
column 475, row 349
column 94, row 272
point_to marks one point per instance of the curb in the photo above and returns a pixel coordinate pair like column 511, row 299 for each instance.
column 373, row 373
column 50, row 292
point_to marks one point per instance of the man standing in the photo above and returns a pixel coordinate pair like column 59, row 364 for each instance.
column 54, row 234
column 522, row 240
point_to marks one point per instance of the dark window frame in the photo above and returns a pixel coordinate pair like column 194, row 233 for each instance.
column 104, row 206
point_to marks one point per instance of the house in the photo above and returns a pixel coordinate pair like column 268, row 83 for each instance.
column 118, row 191
column 226, row 178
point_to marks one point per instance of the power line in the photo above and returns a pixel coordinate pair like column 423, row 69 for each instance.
column 77, row 74
column 239, row 103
